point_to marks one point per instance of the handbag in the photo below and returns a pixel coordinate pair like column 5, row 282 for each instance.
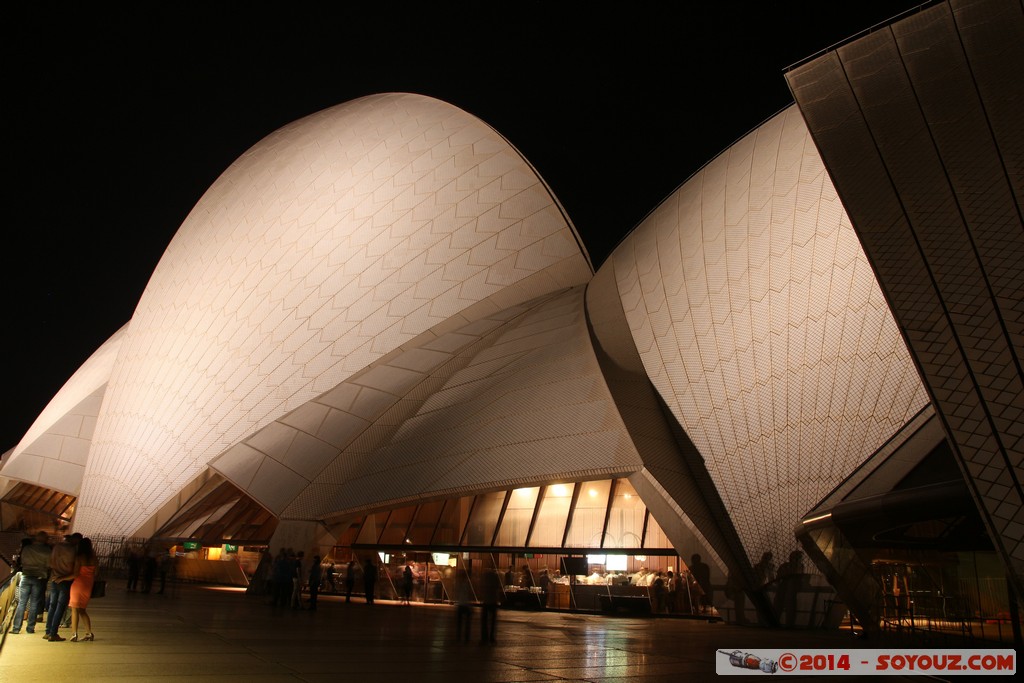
column 99, row 589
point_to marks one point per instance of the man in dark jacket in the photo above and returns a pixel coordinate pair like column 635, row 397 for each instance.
column 35, row 569
column 62, row 564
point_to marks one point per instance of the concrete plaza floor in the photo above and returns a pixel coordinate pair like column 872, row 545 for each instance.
column 209, row 634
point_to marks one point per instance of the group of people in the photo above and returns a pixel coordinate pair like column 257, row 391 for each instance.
column 63, row 575
column 289, row 574
column 491, row 595
column 147, row 564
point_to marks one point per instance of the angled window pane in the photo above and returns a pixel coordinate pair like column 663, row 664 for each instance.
column 453, row 520
column 626, row 521
column 425, row 522
column 516, row 522
column 398, row 525
column 351, row 533
column 655, row 538
column 554, row 510
column 588, row 517
column 484, row 518
column 372, row 527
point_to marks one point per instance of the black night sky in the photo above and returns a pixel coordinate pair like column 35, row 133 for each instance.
column 117, row 120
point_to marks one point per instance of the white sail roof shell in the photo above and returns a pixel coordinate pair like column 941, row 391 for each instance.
column 762, row 327
column 327, row 245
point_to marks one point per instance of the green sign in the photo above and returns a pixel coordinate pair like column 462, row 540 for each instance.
column 191, row 545
column 228, row 548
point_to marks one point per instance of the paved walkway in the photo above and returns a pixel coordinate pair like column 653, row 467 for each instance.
column 209, row 634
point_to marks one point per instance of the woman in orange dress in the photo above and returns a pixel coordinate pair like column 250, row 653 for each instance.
column 81, row 589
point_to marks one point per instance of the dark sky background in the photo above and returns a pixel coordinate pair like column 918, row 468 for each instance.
column 117, row 121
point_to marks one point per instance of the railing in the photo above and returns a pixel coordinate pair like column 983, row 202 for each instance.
column 8, row 604
column 943, row 620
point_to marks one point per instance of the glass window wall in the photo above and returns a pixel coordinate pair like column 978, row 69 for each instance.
column 626, row 520
column 484, row 519
column 607, row 515
column 551, row 517
column 516, row 523
column 589, row 515
column 422, row 529
column 372, row 527
column 453, row 521
column 398, row 526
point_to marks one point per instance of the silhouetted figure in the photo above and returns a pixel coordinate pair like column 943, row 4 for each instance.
column 407, row 584
column 702, row 573
column 765, row 569
column 314, row 581
column 369, row 580
column 544, row 581
column 527, row 577
column 262, row 579
column 463, row 605
column 297, row 580
column 658, row 594
column 134, row 565
column 789, row 576
column 281, row 576
column 148, row 571
column 166, row 565
column 734, row 591
column 491, row 598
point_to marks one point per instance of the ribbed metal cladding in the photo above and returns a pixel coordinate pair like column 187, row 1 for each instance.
column 919, row 126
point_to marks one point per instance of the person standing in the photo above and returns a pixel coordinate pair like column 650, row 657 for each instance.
column 463, row 605
column 702, row 573
column 407, row 585
column 765, row 569
column 134, row 563
column 35, row 569
column 166, row 565
column 62, row 566
column 298, row 578
column 545, row 588
column 314, row 581
column 369, row 580
column 81, row 590
column 149, row 566
column 281, row 578
column 657, row 593
column 492, row 595
column 787, row 593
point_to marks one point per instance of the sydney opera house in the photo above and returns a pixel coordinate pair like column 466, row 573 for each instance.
column 379, row 334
